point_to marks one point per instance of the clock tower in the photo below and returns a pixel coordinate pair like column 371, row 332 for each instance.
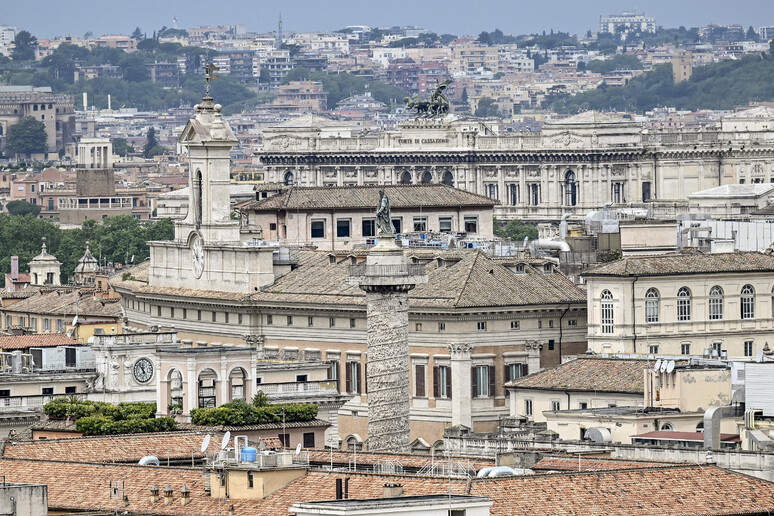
column 207, row 252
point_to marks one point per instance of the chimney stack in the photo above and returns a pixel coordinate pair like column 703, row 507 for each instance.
column 168, row 495
column 393, row 490
column 186, row 495
column 14, row 268
column 154, row 490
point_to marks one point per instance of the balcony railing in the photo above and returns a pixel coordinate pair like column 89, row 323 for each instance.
column 35, row 401
column 295, row 388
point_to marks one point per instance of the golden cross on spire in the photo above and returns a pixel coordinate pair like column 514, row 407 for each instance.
column 209, row 76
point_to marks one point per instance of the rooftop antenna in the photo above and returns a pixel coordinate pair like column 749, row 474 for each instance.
column 209, row 76
column 279, row 31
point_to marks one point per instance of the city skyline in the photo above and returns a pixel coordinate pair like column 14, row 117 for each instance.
column 75, row 18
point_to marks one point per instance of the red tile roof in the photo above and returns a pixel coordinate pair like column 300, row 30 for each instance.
column 39, row 340
column 588, row 374
column 569, row 464
column 674, row 490
column 695, row 263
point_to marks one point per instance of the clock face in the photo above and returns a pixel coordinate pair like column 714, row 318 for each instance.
column 143, row 370
column 197, row 256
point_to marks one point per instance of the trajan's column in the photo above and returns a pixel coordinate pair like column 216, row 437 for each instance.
column 387, row 279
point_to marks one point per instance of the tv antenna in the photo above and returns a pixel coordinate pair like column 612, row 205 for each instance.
column 206, row 443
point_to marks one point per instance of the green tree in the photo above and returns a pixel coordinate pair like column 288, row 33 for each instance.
column 24, row 45
column 751, row 34
column 121, row 147
column 137, row 34
column 158, row 150
column 21, row 208
column 514, row 230
column 150, row 142
column 27, row 136
column 487, row 108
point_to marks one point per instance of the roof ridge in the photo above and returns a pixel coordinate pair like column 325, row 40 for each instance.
column 467, row 278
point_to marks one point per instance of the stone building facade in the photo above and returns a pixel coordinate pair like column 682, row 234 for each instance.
column 56, row 111
column 689, row 304
column 574, row 165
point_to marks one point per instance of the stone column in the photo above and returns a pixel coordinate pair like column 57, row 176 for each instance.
column 387, row 279
column 192, row 388
column 461, row 395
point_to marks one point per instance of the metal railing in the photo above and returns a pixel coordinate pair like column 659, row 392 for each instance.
column 33, row 401
column 362, row 269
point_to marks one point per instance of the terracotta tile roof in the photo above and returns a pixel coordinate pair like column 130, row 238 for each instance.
column 674, row 490
column 59, row 302
column 696, row 263
column 469, row 279
column 41, row 340
column 261, row 426
column 569, row 464
column 667, row 435
column 367, row 197
column 115, row 448
column 588, row 374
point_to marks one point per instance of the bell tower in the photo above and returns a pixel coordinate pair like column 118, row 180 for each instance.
column 208, row 140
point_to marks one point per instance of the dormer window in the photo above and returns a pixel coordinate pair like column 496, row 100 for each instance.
column 440, row 263
column 548, row 268
column 520, row 268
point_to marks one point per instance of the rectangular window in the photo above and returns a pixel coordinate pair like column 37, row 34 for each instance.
column 70, row 390
column 214, row 316
column 607, row 317
column 444, row 224
column 34, row 324
column 540, row 324
column 685, row 349
column 441, row 327
column 290, row 320
column 342, row 228
column 653, row 349
column 332, row 322
column 527, row 407
column 551, row 323
column 515, row 371
column 199, row 315
column 572, row 322
column 250, row 480
column 47, row 391
column 550, row 345
column 60, row 326
column 302, row 378
column 483, row 381
column 418, row 326
column 308, row 439
column 353, row 377
column 46, row 324
column 481, row 325
column 419, row 381
column 5, row 393
column 583, row 405
column 272, row 226
column 471, row 224
column 398, row 225
column 318, row 229
column 748, row 348
column 239, row 319
column 310, row 321
column 420, row 223
column 284, row 440
column 369, row 227
column 717, row 347
column 333, row 372
column 269, row 319
column 514, row 325
column 555, row 405
column 69, row 357
column 442, row 382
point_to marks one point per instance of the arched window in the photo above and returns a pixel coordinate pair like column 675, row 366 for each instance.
column 427, row 177
column 651, row 305
column 405, row 178
column 748, row 302
column 199, row 203
column 448, row 178
column 700, row 427
column 289, row 178
column 667, row 427
column 607, row 312
column 684, row 304
column 716, row 303
column 570, row 189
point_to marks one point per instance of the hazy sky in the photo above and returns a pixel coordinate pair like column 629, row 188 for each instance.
column 48, row 18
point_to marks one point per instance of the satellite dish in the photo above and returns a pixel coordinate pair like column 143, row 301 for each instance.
column 664, row 366
column 75, row 321
column 226, row 439
column 759, row 356
column 206, row 443
column 657, row 367
column 670, row 366
column 298, row 448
